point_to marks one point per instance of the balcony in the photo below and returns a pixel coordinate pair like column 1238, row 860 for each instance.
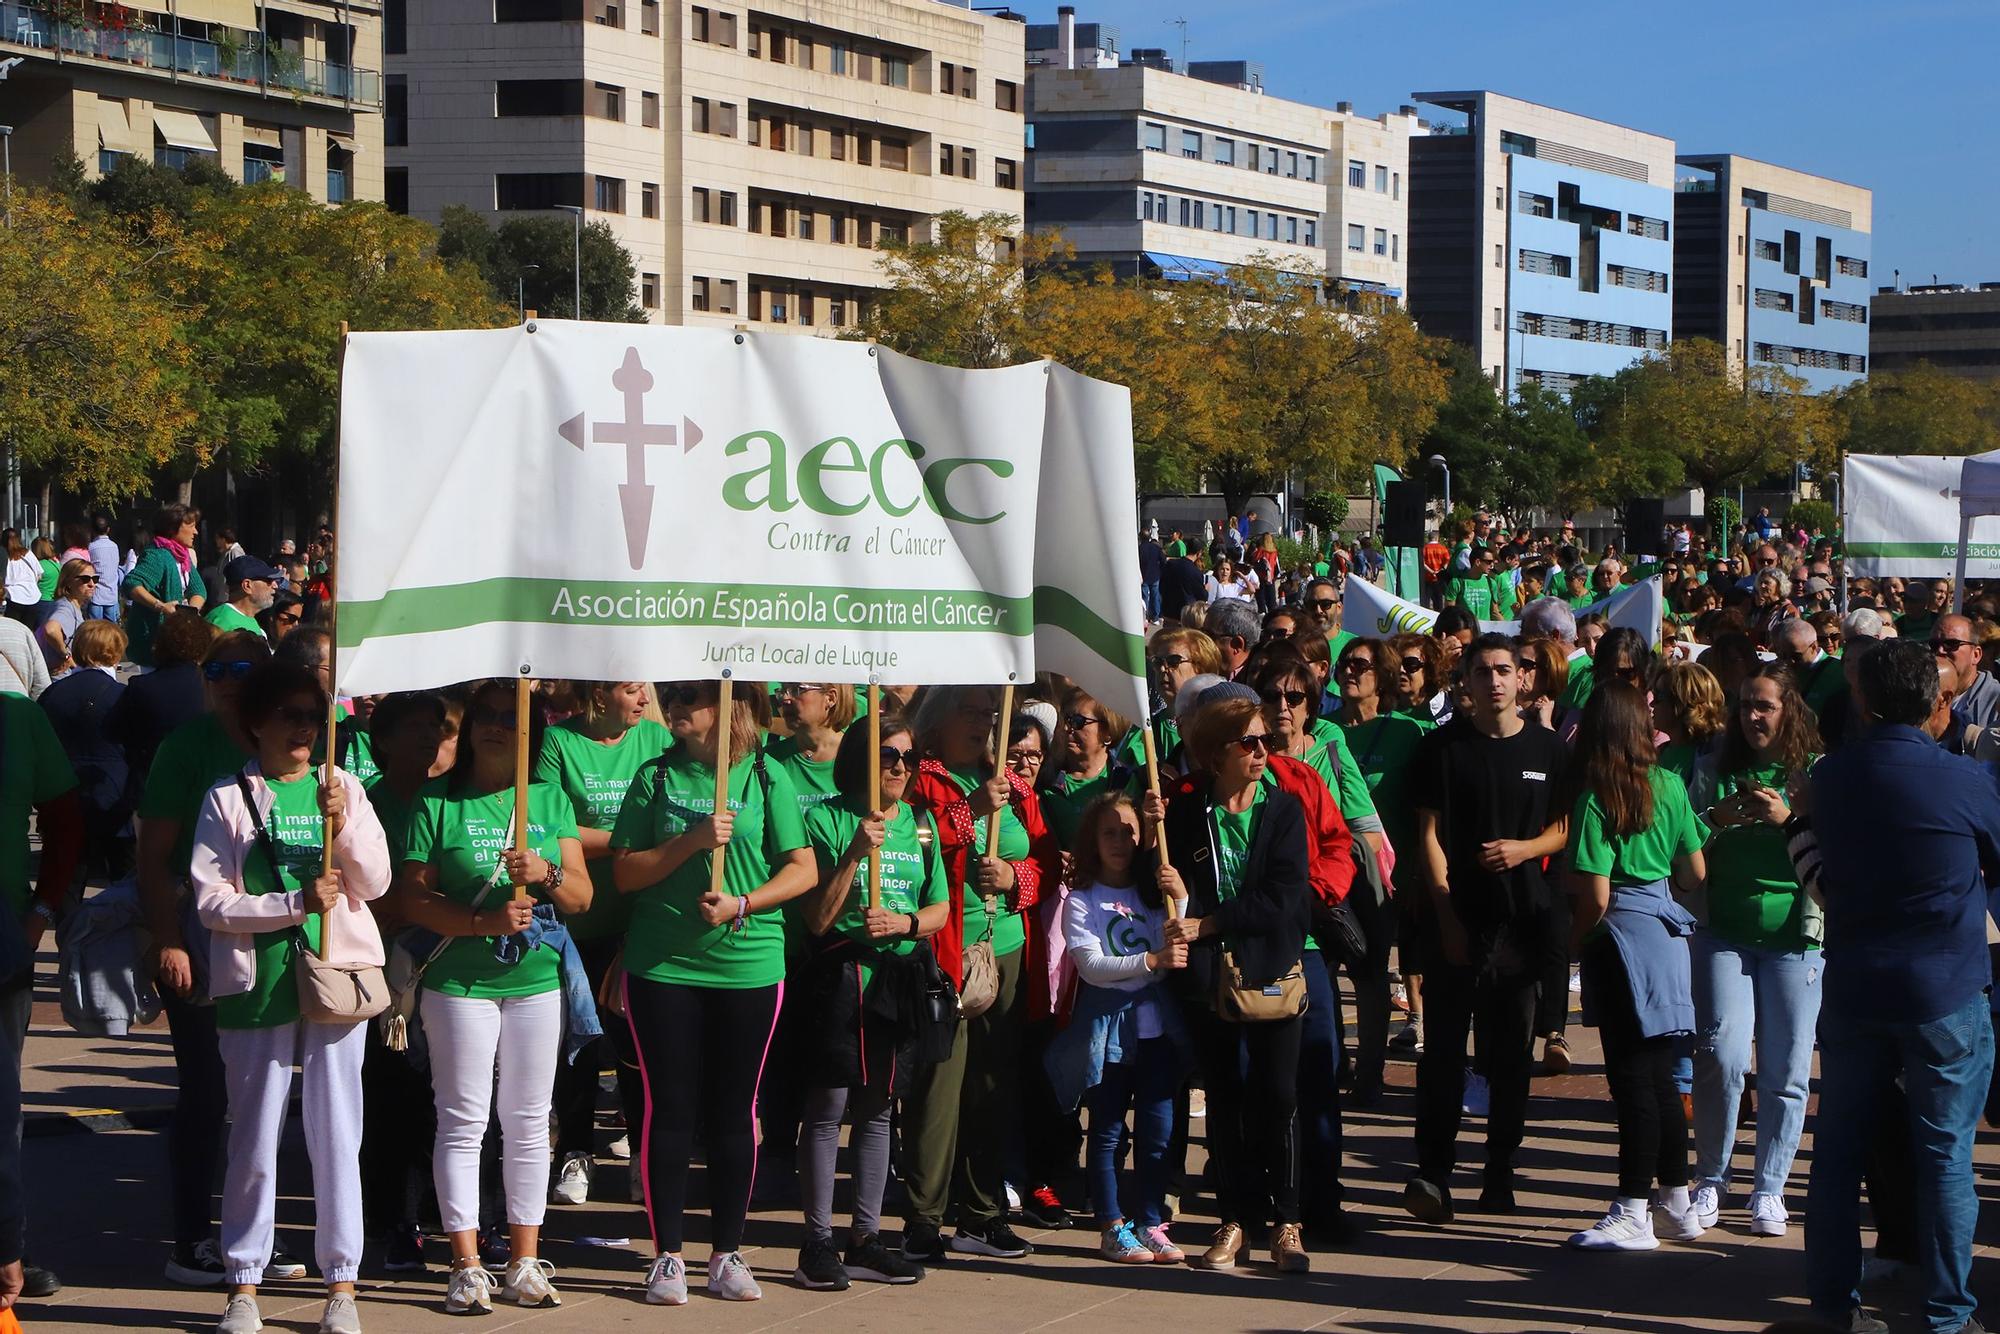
column 244, row 61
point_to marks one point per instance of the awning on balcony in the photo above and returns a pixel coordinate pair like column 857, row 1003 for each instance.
column 268, row 136
column 114, row 130
column 344, row 142
column 231, row 13
column 183, row 129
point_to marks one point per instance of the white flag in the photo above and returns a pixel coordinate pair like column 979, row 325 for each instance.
column 1373, row 611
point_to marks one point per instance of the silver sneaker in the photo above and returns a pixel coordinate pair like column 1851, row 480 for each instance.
column 240, row 1316
column 341, row 1315
column 573, row 1181
column 667, row 1282
column 729, row 1278
column 528, row 1283
column 470, row 1291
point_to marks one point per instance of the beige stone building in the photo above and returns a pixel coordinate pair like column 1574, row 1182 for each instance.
column 749, row 156
column 289, row 89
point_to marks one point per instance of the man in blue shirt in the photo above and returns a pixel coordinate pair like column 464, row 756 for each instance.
column 1905, row 832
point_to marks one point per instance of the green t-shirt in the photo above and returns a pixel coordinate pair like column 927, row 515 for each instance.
column 1910, row 625
column 1822, row 682
column 812, row 780
column 1582, row 683
column 396, row 814
column 912, row 878
column 34, row 769
column 1475, row 594
column 297, row 845
column 1383, row 749
column 1166, row 736
column 194, row 758
column 1335, row 642
column 1506, row 596
column 1010, row 930
column 1678, row 758
column 1349, row 786
column 1648, row 855
column 225, row 618
column 463, row 837
column 51, row 576
column 1753, row 894
column 1234, row 831
column 159, row 574
column 594, row 776
column 1063, row 800
column 668, row 941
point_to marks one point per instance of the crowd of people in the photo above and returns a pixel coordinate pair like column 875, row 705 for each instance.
column 1764, row 836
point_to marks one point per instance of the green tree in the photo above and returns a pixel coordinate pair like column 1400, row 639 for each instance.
column 1922, row 410
column 960, row 298
column 532, row 258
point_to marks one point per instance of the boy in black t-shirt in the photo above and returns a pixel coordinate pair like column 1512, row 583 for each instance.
column 1487, row 817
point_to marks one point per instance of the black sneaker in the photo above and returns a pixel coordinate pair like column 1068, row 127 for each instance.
column 1497, row 1196
column 872, row 1262
column 819, row 1267
column 1427, row 1202
column 284, row 1265
column 1044, row 1208
column 199, row 1268
column 923, row 1243
column 494, row 1248
column 39, row 1282
column 993, row 1239
column 405, row 1252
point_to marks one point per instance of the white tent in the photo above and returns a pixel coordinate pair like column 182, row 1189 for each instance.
column 1978, row 496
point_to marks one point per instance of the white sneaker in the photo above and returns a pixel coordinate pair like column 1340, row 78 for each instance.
column 729, row 1278
column 470, row 1291
column 1013, row 1199
column 528, row 1283
column 1767, row 1215
column 573, row 1182
column 667, row 1282
column 620, row 1148
column 1622, row 1229
column 1672, row 1225
column 1575, row 983
column 1478, row 1099
column 1705, row 1202
column 239, row 1316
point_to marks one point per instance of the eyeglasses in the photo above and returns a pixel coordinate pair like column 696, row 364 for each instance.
column 1412, row 665
column 493, row 718
column 895, row 759
column 686, row 696
column 1291, row 699
column 1028, row 759
column 796, row 688
column 1947, row 647
column 1078, row 721
column 1255, row 743
column 1169, row 661
column 234, row 671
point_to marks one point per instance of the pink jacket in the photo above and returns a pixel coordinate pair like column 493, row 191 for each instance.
column 224, row 838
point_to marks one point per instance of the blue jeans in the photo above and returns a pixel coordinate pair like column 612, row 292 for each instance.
column 94, row 612
column 1320, row 1052
column 1744, row 993
column 1149, row 594
column 1946, row 1065
column 1147, row 1085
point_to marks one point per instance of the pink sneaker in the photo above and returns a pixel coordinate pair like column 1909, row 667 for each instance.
column 1156, row 1240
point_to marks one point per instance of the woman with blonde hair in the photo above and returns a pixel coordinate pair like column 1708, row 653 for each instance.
column 72, row 600
column 1544, row 678
column 816, row 717
column 1175, row 655
column 1689, row 710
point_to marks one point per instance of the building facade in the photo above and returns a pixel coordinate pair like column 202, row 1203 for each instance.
column 748, row 156
column 1953, row 327
column 288, row 90
column 1171, row 175
column 1773, row 264
column 1540, row 239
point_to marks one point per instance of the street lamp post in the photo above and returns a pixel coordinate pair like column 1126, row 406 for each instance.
column 521, row 288
column 576, row 258
column 7, row 172
column 1437, row 461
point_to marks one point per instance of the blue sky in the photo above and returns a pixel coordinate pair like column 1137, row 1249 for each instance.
column 1899, row 97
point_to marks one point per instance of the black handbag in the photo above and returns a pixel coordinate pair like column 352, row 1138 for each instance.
column 937, row 1015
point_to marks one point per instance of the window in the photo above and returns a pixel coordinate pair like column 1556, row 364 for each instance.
column 726, row 304
column 1312, row 166
column 1357, row 175
column 1653, row 229
column 1187, row 212
column 607, row 13
column 1534, row 205
column 699, row 297
column 778, row 216
column 895, row 72
column 607, row 101
column 395, row 28
column 1005, row 174
column 1250, row 156
column 895, row 155
column 649, row 17
column 968, row 82
column 947, row 77
column 1006, row 97
column 1640, row 280
column 1357, row 237
column 698, row 24
column 537, row 97
column 395, row 183
column 1844, row 310
column 836, row 311
column 1823, row 258
column 1496, row 319
column 774, row 45
column 1155, row 137
column 649, row 200
column 1770, row 250
column 1270, row 160
column 1396, row 246
column 649, row 110
column 1543, row 263
column 1849, row 267
column 700, row 203
column 1791, row 252
column 1499, row 256
column 725, row 119
column 805, row 228
column 649, row 290
column 1225, row 151
column 947, row 159
column 537, row 11
column 1292, row 230
column 610, row 195
column 396, row 112
column 864, row 149
column 968, row 163
column 1312, row 231
column 700, row 119
column 725, row 33
column 262, row 162
column 1292, row 165
column 1270, row 226
column 805, row 302
column 838, row 59
column 537, row 189
column 1381, row 180
column 1191, row 144
column 1249, row 227
column 1381, row 240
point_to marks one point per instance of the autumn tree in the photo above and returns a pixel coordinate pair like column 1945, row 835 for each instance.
column 1922, row 410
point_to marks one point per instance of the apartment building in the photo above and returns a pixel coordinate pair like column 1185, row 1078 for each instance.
column 1772, row 263
column 288, row 90
column 1171, row 174
column 1954, row 327
column 1539, row 238
column 749, row 156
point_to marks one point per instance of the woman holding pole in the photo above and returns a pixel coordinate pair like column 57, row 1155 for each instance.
column 705, row 963
column 998, row 855
column 484, row 847
column 266, row 888
column 861, row 993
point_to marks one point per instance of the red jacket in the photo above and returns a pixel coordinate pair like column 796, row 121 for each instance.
column 959, row 832
column 1330, row 854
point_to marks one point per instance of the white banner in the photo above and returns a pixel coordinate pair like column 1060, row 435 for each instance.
column 1902, row 518
column 1374, row 611
column 623, row 502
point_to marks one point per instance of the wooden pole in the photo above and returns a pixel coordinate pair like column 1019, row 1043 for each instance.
column 1153, row 786
column 724, row 716
column 523, row 688
column 874, row 788
column 1000, row 726
column 332, row 638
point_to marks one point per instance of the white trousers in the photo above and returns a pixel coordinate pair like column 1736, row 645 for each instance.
column 257, row 1064
column 469, row 1037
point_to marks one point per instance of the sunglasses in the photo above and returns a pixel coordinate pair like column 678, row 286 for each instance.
column 1357, row 665
column 1412, row 665
column 494, row 718
column 1530, row 665
column 1256, row 743
column 686, row 696
column 796, row 688
column 1625, row 674
column 1289, row 698
column 234, row 671
column 893, row 758
column 1949, row 646
column 1322, row 604
column 1170, row 661
column 289, row 618
column 1078, row 721
column 296, row 717
column 1277, row 633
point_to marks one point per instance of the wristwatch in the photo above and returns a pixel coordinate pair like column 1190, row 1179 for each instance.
column 910, row 934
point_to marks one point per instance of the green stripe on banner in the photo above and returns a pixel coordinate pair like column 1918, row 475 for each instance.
column 1064, row 610
column 1920, row 550
column 605, row 602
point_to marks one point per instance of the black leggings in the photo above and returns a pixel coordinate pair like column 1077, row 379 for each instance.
column 701, row 1053
column 1251, row 1073
column 1652, row 1128
column 200, row 1116
column 577, row 1082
